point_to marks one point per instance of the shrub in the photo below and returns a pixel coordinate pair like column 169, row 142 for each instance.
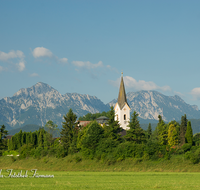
column 44, row 152
column 77, row 158
column 167, row 155
column 125, row 150
column 195, row 156
column 37, row 152
column 52, row 151
column 187, row 155
column 186, row 147
column 25, row 150
column 13, row 152
column 13, row 158
column 110, row 159
column 152, row 148
column 60, row 152
column 106, row 146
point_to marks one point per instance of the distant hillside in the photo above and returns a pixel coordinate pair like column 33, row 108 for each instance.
column 6, row 125
column 195, row 123
column 26, row 128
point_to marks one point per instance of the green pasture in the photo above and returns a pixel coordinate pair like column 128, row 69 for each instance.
column 105, row 180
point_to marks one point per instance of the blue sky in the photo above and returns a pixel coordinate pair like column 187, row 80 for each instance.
column 82, row 46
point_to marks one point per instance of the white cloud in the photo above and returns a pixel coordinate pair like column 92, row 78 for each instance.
column 21, row 66
column 131, row 83
column 34, row 75
column 6, row 57
column 11, row 55
column 63, row 60
column 195, row 92
column 87, row 65
column 42, row 52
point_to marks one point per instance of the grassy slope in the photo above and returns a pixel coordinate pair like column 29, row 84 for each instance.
column 175, row 164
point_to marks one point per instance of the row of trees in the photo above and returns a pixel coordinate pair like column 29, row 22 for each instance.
column 173, row 134
column 106, row 142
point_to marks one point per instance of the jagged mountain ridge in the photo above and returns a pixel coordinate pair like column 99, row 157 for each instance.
column 150, row 104
column 40, row 103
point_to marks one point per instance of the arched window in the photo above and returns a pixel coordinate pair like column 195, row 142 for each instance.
column 124, row 116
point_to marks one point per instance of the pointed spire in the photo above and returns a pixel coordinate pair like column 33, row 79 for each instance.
column 122, row 94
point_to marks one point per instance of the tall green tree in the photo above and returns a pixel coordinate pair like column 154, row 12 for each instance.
column 183, row 128
column 172, row 135
column 162, row 131
column 189, row 133
column 3, row 134
column 135, row 133
column 40, row 138
column 69, row 131
column 149, row 131
column 19, row 138
column 92, row 136
column 112, row 129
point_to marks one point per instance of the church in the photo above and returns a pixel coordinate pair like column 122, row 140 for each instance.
column 122, row 109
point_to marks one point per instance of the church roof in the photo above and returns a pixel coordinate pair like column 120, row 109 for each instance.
column 122, row 94
column 102, row 119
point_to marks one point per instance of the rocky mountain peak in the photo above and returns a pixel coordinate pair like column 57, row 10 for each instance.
column 41, row 102
column 35, row 90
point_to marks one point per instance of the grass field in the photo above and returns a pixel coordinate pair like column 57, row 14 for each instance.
column 105, row 180
column 176, row 173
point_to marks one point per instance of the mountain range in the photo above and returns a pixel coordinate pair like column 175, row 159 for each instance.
column 41, row 102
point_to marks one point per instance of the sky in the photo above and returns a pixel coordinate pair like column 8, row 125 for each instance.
column 83, row 46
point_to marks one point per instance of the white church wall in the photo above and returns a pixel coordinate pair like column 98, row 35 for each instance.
column 122, row 115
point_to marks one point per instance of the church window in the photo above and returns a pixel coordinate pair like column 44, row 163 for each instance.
column 124, row 116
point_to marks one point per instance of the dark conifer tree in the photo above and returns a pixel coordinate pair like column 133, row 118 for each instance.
column 135, row 133
column 183, row 128
column 3, row 134
column 112, row 129
column 27, row 138
column 19, row 139
column 41, row 138
column 149, row 131
column 69, row 131
column 189, row 133
column 23, row 139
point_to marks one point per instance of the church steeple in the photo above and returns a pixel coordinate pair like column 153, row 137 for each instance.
column 122, row 109
column 122, row 94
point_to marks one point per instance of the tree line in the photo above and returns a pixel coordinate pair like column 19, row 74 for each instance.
column 106, row 143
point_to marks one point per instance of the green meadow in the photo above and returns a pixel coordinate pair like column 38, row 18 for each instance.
column 175, row 173
column 105, row 180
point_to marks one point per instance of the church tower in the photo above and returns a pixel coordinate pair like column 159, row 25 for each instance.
column 122, row 109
